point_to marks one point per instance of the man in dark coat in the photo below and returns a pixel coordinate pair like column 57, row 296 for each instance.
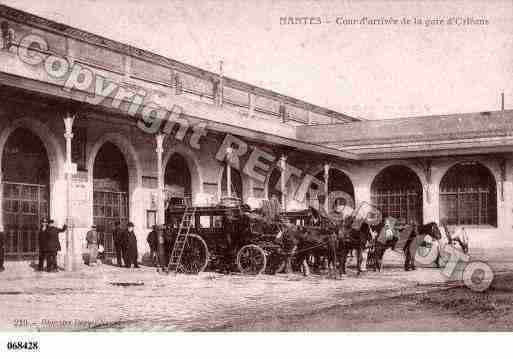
column 169, row 242
column 119, row 245
column 2, row 253
column 153, row 242
column 42, row 240
column 131, row 241
column 53, row 245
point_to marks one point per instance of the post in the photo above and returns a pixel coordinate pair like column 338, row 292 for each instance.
column 221, row 84
column 229, row 152
column 159, row 138
column 70, row 250
column 283, row 167
column 326, row 187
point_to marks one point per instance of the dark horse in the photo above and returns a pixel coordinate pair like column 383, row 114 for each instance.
column 350, row 239
column 414, row 239
column 317, row 239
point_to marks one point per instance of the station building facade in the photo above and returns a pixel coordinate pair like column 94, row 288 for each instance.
column 69, row 154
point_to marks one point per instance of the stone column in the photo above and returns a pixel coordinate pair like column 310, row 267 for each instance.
column 70, row 250
column 326, row 186
column 159, row 138
column 229, row 152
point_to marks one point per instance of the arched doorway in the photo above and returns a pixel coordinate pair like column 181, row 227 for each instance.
column 110, row 193
column 177, row 181
column 397, row 192
column 338, row 181
column 468, row 195
column 273, row 184
column 26, row 176
column 236, row 187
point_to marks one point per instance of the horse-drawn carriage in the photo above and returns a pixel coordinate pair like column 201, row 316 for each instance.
column 229, row 237
column 224, row 237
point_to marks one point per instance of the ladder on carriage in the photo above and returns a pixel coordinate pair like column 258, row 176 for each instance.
column 181, row 238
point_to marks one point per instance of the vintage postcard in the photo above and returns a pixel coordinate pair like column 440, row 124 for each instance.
column 255, row 166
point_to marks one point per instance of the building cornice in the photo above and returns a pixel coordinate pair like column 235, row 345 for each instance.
column 125, row 49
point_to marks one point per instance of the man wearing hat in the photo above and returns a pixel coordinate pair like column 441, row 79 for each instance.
column 131, row 242
column 42, row 241
column 52, row 245
column 153, row 242
column 119, row 245
column 92, row 245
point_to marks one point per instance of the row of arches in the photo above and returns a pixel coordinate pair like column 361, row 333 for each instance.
column 468, row 193
column 467, row 190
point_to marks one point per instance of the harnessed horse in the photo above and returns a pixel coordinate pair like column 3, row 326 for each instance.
column 353, row 239
column 416, row 239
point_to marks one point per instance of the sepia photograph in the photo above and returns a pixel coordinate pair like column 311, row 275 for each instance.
column 259, row 167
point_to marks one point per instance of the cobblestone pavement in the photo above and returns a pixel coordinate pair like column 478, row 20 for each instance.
column 111, row 298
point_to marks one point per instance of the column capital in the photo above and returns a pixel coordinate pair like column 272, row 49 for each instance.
column 68, row 125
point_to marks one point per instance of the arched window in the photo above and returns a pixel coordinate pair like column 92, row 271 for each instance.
column 274, row 185
column 26, row 173
column 110, row 193
column 177, row 181
column 468, row 195
column 397, row 192
column 337, row 181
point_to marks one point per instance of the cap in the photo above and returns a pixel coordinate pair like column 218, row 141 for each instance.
column 130, row 224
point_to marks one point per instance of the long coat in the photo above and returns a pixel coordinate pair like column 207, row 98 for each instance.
column 52, row 240
column 153, row 240
column 131, row 243
column 43, row 240
column 118, row 238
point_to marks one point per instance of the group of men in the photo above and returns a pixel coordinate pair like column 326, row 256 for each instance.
column 49, row 245
column 125, row 245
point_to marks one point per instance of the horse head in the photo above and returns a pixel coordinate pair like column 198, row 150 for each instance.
column 431, row 229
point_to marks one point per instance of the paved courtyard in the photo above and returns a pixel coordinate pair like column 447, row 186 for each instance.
column 111, row 298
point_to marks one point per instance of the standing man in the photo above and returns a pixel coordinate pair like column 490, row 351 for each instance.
column 131, row 241
column 162, row 249
column 117, row 237
column 153, row 242
column 53, row 245
column 43, row 240
column 169, row 242
column 92, row 245
column 2, row 243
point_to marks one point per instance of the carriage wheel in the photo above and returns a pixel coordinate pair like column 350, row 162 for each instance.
column 195, row 255
column 251, row 260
